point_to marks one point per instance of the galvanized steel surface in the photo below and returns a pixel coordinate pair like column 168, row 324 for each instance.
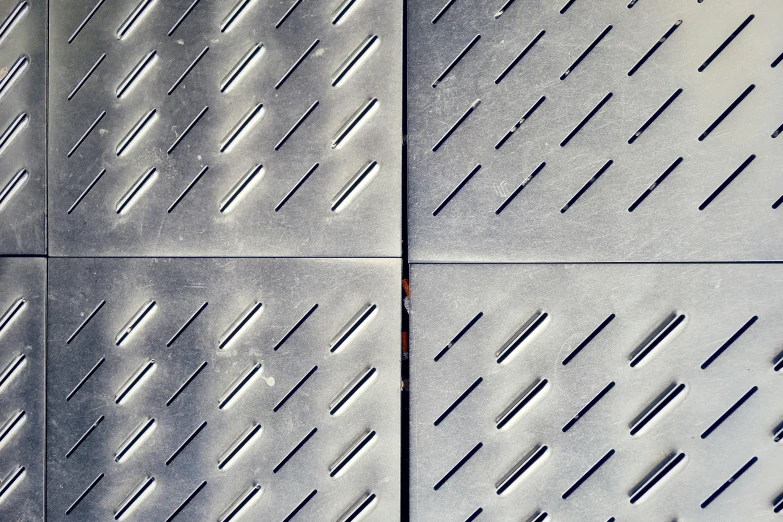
column 182, row 128
column 594, row 130
column 639, row 392
column 201, row 382
column 23, row 75
column 22, row 380
column 155, row 148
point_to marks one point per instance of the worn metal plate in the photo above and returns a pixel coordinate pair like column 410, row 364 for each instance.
column 716, row 344
column 534, row 71
column 22, row 127
column 226, row 378
column 273, row 127
column 22, row 366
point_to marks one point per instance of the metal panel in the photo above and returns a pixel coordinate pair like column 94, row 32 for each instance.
column 608, row 95
column 22, row 127
column 212, row 389
column 664, row 378
column 247, row 128
column 22, row 366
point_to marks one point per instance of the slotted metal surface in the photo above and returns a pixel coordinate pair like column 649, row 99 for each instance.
column 233, row 360
column 609, row 96
column 539, row 373
column 22, row 127
column 257, row 127
column 22, row 324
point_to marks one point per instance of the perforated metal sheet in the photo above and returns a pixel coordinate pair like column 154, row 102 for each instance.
column 22, row 127
column 177, row 387
column 256, row 127
column 22, row 363
column 579, row 372
column 512, row 85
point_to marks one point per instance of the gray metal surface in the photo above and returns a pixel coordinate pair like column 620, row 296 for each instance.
column 233, row 104
column 698, row 211
column 22, row 127
column 663, row 326
column 219, row 356
column 22, row 365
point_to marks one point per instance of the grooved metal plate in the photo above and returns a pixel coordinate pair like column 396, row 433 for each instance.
column 242, row 128
column 22, row 366
column 22, row 127
column 586, row 392
column 212, row 389
column 624, row 130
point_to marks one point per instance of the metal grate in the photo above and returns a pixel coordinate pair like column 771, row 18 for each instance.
column 255, row 127
column 22, row 323
column 214, row 389
column 589, row 130
column 596, row 392
column 22, row 127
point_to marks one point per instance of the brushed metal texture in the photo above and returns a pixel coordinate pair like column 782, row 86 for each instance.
column 589, row 130
column 211, row 389
column 23, row 72
column 193, row 128
column 627, row 392
column 22, row 381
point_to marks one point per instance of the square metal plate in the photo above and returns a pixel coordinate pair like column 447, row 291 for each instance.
column 22, row 366
column 211, row 389
column 586, row 392
column 242, row 128
column 624, row 130
column 22, row 127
